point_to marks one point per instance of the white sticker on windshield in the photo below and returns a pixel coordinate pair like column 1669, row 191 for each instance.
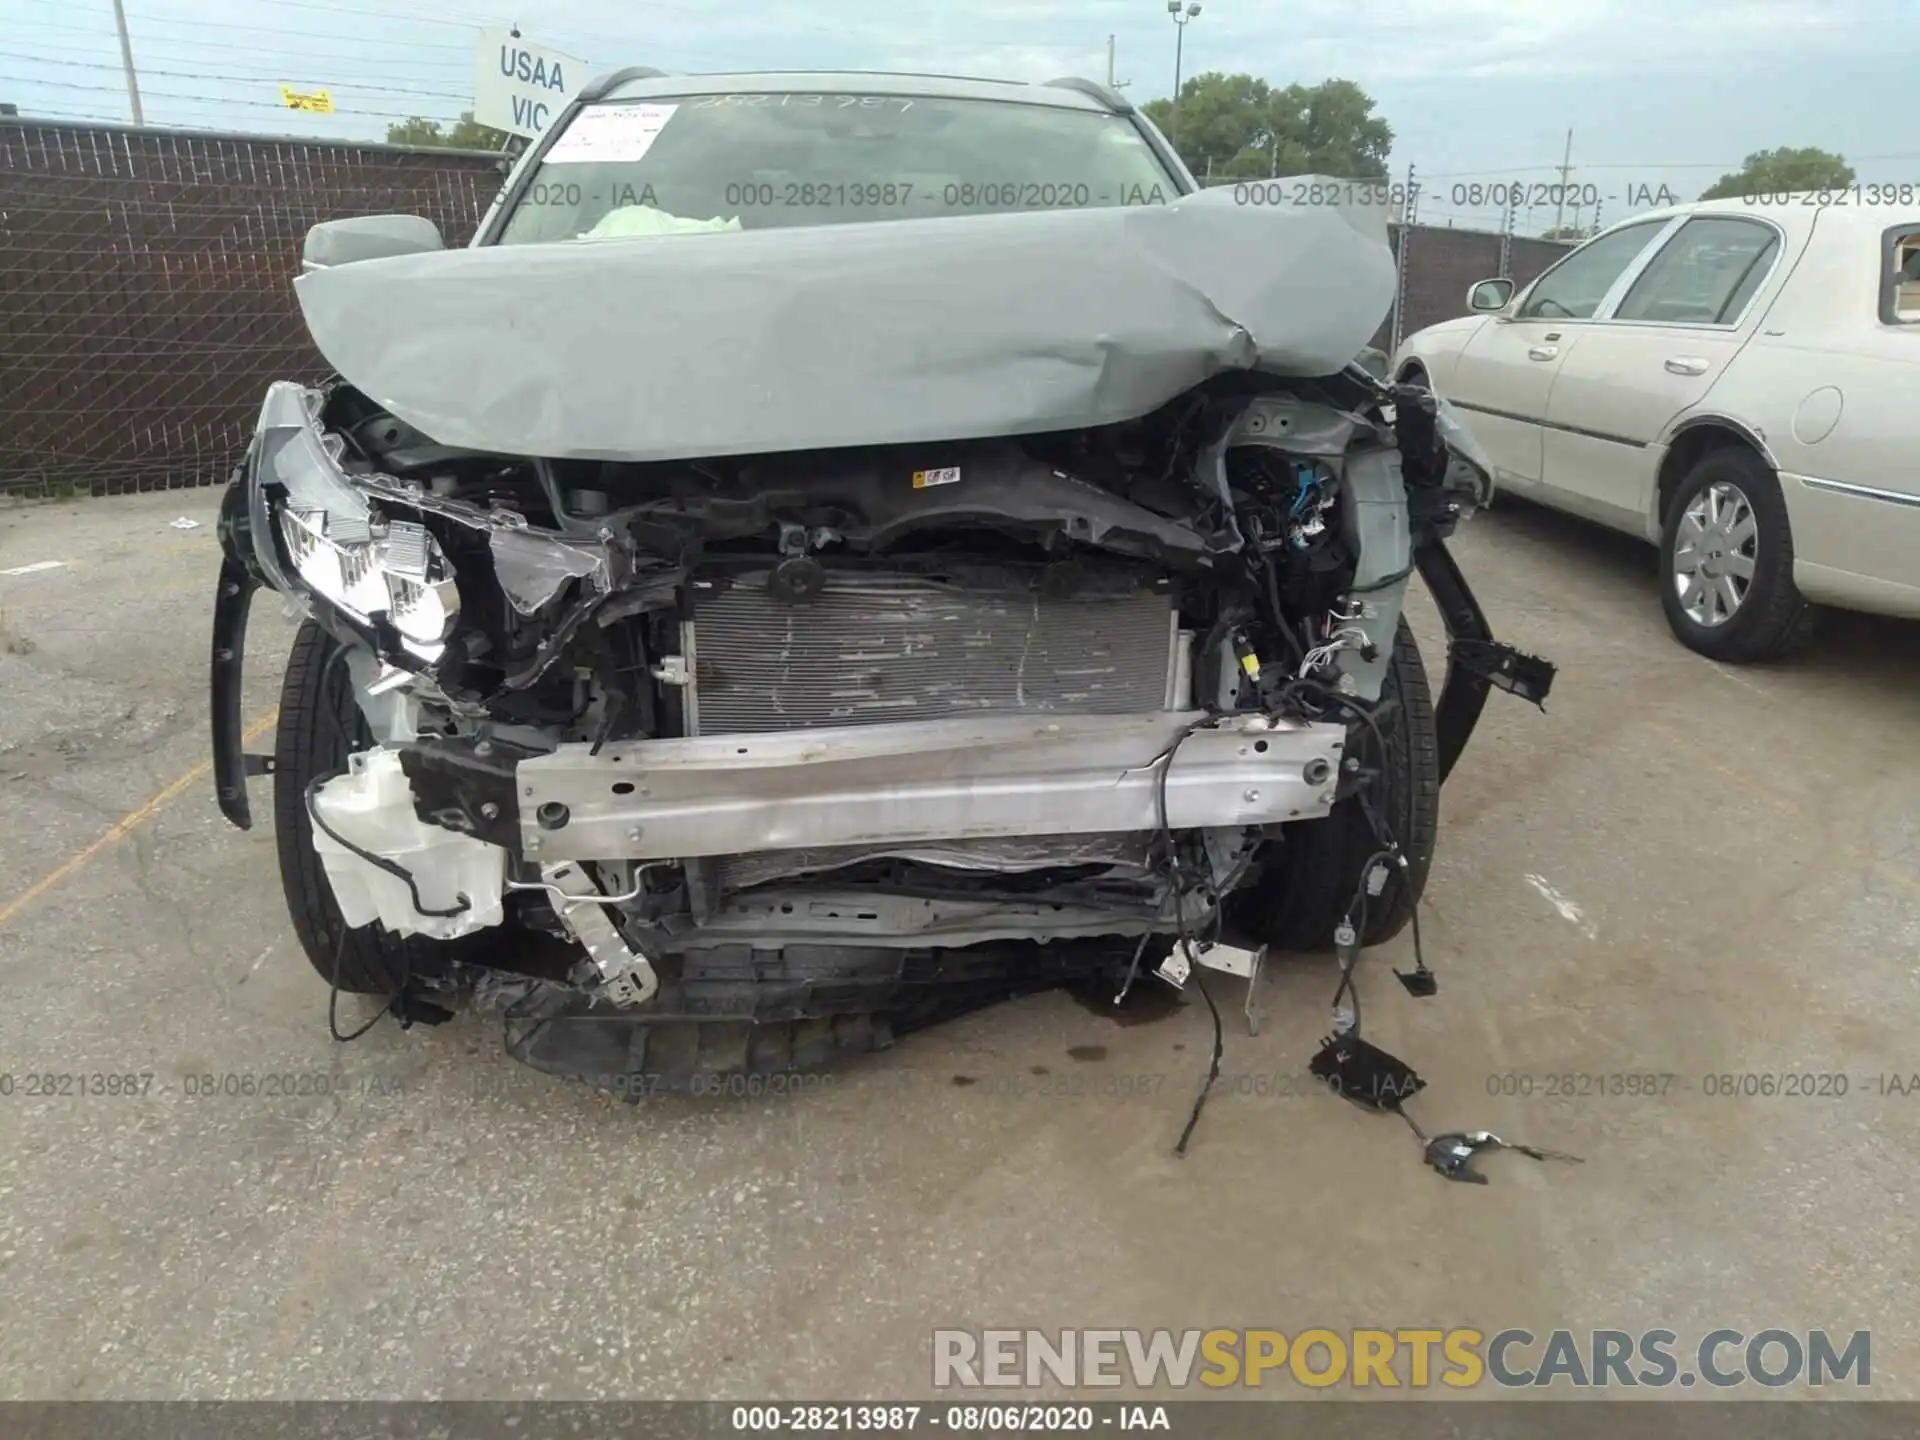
column 610, row 133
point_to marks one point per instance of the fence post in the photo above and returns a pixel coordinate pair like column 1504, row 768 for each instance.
column 1408, row 210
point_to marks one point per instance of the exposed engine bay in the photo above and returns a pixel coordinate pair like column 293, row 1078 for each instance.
column 1065, row 688
column 706, row 741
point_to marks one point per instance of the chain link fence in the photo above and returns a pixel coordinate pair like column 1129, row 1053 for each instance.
column 146, row 286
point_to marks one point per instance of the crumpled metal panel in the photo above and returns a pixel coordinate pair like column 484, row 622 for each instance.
column 888, row 332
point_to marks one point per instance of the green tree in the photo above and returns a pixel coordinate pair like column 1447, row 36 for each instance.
column 1240, row 127
column 466, row 133
column 1783, row 171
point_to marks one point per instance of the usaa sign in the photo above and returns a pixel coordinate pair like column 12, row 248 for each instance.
column 520, row 86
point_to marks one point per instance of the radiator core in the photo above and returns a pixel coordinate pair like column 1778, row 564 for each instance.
column 889, row 648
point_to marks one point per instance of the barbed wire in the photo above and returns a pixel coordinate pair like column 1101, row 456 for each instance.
column 140, row 39
column 270, row 77
column 146, row 93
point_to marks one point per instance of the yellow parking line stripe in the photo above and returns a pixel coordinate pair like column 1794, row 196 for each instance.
column 122, row 828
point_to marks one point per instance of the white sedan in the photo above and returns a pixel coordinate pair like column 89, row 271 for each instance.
column 1738, row 382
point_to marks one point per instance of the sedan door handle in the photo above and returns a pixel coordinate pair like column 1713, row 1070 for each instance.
column 1542, row 352
column 1687, row 365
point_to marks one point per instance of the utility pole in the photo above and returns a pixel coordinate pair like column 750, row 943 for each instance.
column 1181, row 19
column 1506, row 239
column 1566, row 166
column 1110, row 62
column 1408, row 209
column 126, row 61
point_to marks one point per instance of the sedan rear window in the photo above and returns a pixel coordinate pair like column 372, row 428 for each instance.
column 1705, row 275
column 757, row 161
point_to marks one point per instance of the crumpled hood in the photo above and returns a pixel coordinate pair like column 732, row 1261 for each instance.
column 898, row 331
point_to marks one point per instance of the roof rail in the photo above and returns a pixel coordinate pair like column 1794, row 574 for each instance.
column 602, row 86
column 1112, row 99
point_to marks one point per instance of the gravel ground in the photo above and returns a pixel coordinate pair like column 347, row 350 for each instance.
column 1681, row 870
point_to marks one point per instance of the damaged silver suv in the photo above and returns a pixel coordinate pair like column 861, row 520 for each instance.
column 839, row 549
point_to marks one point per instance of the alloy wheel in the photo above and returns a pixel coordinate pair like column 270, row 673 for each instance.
column 1714, row 552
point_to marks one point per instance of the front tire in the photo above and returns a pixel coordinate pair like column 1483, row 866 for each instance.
column 1306, row 887
column 1726, row 562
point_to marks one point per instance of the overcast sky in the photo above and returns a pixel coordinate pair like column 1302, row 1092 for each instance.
column 1657, row 94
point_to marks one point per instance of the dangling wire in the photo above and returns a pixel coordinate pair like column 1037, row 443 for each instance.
column 1177, row 880
column 330, row 706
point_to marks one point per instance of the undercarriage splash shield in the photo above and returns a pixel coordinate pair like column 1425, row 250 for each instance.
column 945, row 779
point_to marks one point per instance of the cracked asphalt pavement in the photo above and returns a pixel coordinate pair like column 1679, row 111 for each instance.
column 1679, row 870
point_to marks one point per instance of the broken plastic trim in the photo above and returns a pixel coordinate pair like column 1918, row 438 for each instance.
column 1465, row 693
column 1452, row 1153
column 1511, row 670
column 232, row 600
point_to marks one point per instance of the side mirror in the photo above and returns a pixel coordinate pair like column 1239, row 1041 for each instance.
column 1490, row 295
column 368, row 237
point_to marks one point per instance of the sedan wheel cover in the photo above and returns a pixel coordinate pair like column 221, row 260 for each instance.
column 1714, row 554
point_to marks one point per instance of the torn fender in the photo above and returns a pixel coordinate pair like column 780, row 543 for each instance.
column 885, row 332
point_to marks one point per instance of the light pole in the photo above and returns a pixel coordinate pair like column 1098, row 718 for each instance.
column 126, row 62
column 1181, row 18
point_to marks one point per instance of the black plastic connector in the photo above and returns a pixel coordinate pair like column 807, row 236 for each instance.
column 1364, row 1073
column 1420, row 982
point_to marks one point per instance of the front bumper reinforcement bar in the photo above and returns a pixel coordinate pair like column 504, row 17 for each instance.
column 884, row 784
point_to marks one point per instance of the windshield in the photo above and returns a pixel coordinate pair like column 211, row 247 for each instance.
column 758, row 161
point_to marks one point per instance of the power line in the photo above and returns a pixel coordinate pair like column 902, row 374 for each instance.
column 224, row 100
column 78, row 115
column 626, row 45
column 471, row 21
column 256, row 30
column 196, row 49
column 270, row 77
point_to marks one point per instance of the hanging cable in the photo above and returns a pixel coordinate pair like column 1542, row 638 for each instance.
column 1177, row 880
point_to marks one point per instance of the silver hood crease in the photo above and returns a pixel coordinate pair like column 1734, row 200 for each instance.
column 885, row 332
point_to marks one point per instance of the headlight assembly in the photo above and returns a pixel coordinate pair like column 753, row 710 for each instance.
column 342, row 547
column 368, row 567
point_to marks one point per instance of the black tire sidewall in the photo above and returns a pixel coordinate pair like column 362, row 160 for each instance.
column 1772, row 611
column 1304, row 889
